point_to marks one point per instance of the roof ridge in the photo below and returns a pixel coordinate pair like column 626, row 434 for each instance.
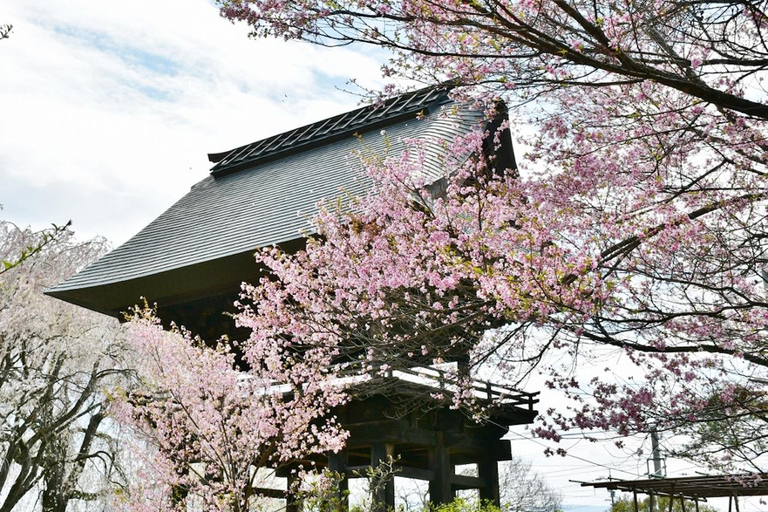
column 326, row 130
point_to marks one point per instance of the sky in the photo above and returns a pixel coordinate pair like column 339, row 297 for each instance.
column 107, row 116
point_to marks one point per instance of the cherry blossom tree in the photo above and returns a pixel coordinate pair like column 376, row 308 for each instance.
column 56, row 364
column 216, row 434
column 635, row 222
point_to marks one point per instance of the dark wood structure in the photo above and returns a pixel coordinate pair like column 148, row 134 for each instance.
column 427, row 442
column 192, row 259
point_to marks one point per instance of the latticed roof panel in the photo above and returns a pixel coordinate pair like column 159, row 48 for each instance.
column 320, row 132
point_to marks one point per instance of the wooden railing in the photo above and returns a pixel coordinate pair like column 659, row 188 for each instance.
column 444, row 382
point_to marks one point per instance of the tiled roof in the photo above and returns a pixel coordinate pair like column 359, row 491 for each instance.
column 256, row 194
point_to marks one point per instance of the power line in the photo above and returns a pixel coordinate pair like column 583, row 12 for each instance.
column 568, row 454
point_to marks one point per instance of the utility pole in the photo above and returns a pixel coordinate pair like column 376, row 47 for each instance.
column 611, row 491
column 658, row 471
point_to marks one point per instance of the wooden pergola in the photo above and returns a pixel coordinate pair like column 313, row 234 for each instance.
column 695, row 488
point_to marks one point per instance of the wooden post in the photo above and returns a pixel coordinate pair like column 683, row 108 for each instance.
column 291, row 505
column 384, row 491
column 338, row 462
column 440, row 490
column 488, row 470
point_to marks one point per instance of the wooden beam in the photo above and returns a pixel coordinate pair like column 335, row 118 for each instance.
column 389, row 431
column 403, row 471
column 369, row 433
column 416, row 473
column 479, row 447
column 466, row 482
column 269, row 493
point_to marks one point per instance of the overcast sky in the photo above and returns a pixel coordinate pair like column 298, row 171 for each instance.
column 107, row 115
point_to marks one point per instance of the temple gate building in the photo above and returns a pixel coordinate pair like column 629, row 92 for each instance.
column 191, row 260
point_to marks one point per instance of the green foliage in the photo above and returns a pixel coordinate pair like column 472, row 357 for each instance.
column 474, row 505
column 462, row 505
column 662, row 505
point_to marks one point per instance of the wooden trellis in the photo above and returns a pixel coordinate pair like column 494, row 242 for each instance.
column 695, row 489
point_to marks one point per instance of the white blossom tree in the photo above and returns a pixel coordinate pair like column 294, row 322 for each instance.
column 57, row 365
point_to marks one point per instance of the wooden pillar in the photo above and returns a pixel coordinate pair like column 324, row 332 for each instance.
column 291, row 505
column 337, row 462
column 488, row 471
column 440, row 490
column 384, row 488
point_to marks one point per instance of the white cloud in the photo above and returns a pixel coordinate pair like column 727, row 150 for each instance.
column 108, row 113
